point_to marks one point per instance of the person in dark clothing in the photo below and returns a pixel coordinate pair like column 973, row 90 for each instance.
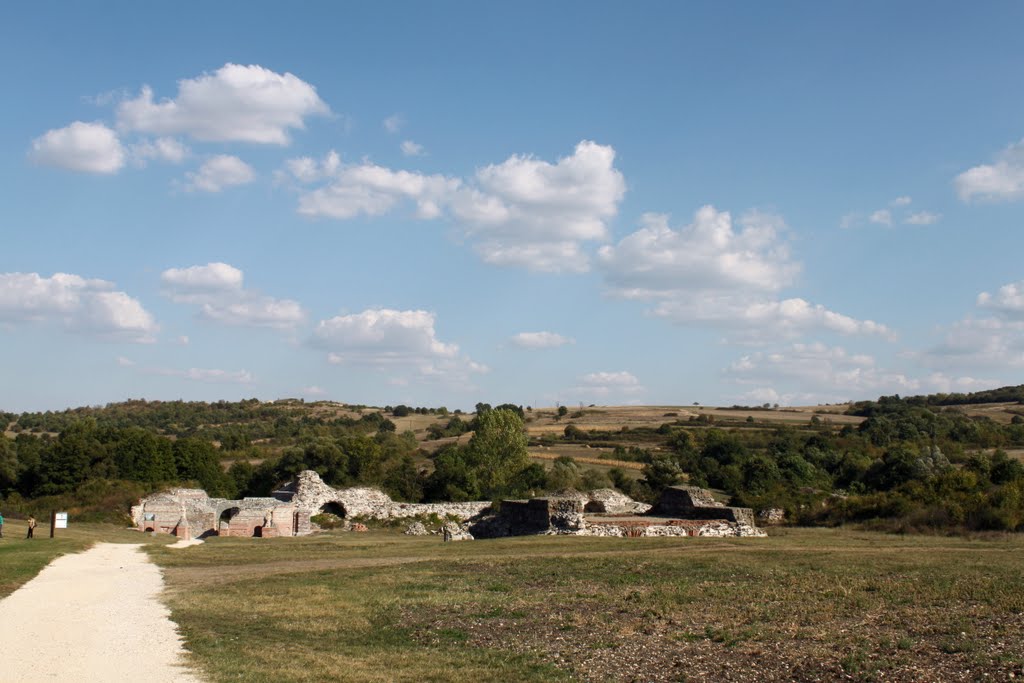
column 31, row 526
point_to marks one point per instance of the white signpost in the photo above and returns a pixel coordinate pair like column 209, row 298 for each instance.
column 61, row 520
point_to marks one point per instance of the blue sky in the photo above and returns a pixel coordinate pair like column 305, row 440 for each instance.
column 447, row 203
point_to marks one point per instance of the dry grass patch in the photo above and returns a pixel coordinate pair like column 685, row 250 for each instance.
column 804, row 605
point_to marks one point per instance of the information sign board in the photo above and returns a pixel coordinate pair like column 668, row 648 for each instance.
column 61, row 520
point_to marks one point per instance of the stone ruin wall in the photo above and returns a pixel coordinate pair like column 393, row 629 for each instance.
column 681, row 511
column 691, row 502
column 193, row 512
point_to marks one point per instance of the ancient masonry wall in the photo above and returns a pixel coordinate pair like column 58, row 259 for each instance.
column 691, row 502
column 287, row 513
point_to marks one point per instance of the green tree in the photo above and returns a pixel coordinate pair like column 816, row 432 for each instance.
column 8, row 464
column 498, row 450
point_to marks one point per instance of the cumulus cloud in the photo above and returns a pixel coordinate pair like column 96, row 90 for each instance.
column 83, row 305
column 393, row 123
column 532, row 213
column 881, row 217
column 992, row 343
column 314, row 391
column 184, row 284
column 218, row 290
column 764, row 318
column 84, row 147
column 412, row 149
column 235, row 103
column 922, row 218
column 605, row 385
column 381, row 336
column 522, row 212
column 1008, row 300
column 849, row 220
column 715, row 272
column 888, row 218
column 218, row 173
column 708, row 254
column 541, row 340
column 384, row 337
column 999, row 181
column 209, row 375
column 309, row 170
column 160, row 149
column 817, row 373
column 373, row 190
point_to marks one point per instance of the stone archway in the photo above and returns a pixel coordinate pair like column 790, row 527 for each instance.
column 224, row 520
column 331, row 515
column 335, row 508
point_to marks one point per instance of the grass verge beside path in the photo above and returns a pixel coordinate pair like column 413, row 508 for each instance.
column 21, row 559
column 804, row 605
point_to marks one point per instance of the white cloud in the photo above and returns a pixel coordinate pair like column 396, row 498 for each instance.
column 992, row 344
column 1002, row 180
column 88, row 306
column 314, row 391
column 762, row 395
column 160, row 149
column 535, row 214
column 85, row 147
column 604, row 385
column 218, row 289
column 708, row 254
column 309, row 170
column 541, row 340
column 610, row 379
column 412, row 149
column 125, row 362
column 766, row 318
column 816, row 373
column 393, row 123
column 922, row 218
column 710, row 272
column 218, row 173
column 522, row 212
column 1008, row 300
column 182, row 340
column 184, row 284
column 210, row 375
column 374, row 190
column 384, row 337
column 901, row 201
column 381, row 336
column 850, row 220
column 235, row 103
column 881, row 217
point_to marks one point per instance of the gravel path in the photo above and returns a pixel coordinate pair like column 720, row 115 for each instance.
column 92, row 616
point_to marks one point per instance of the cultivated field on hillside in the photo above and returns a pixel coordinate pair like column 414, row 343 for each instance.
column 804, row 605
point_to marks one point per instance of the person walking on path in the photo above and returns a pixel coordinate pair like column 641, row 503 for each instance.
column 1, row 526
column 31, row 526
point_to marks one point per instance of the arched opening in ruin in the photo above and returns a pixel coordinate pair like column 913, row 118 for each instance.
column 333, row 508
column 224, row 521
column 331, row 515
column 594, row 506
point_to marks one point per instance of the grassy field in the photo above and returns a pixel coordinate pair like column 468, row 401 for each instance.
column 804, row 604
column 22, row 559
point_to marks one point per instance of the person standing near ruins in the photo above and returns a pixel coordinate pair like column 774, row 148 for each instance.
column 31, row 526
